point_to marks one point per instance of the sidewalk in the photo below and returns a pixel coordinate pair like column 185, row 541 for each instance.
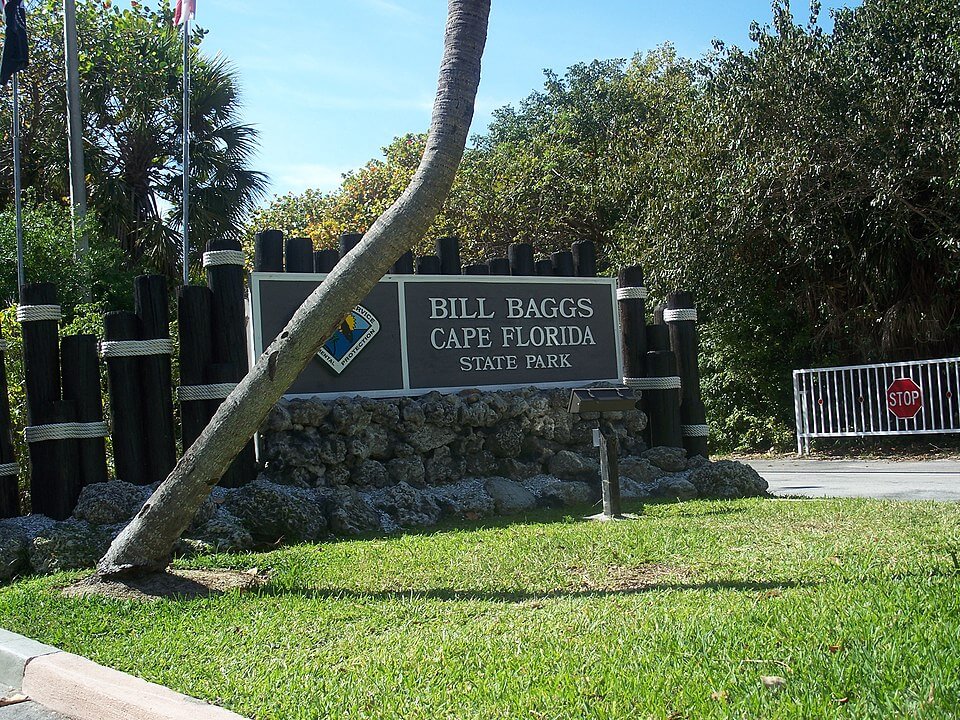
column 80, row 689
column 884, row 479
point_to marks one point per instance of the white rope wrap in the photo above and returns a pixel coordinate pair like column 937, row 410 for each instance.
column 653, row 383
column 8, row 469
column 695, row 430
column 135, row 348
column 192, row 393
column 632, row 293
column 65, row 431
column 680, row 314
column 34, row 313
column 223, row 257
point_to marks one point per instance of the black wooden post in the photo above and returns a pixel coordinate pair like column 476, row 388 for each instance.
column 268, row 251
column 126, row 408
column 348, row 241
column 477, row 269
column 521, row 259
column 404, row 265
column 9, row 490
column 585, row 258
column 610, row 470
column 632, row 296
column 159, row 436
column 499, row 266
column 563, row 265
column 194, row 313
column 299, row 255
column 225, row 280
column 428, row 265
column 244, row 468
column 448, row 248
column 681, row 317
column 543, row 268
column 661, row 389
column 53, row 478
column 81, row 386
column 325, row 260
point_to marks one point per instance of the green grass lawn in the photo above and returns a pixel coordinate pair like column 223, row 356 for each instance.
column 677, row 614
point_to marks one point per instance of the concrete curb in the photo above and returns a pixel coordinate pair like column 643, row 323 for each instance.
column 84, row 690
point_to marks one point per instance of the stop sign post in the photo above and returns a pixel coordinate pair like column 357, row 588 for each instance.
column 904, row 398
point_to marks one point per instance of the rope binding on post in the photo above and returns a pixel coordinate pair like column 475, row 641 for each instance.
column 36, row 313
column 653, row 383
column 65, row 431
column 9, row 470
column 695, row 430
column 632, row 293
column 680, row 314
column 135, row 348
column 194, row 393
column 223, row 257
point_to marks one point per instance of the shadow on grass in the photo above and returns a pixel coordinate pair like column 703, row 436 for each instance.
column 519, row 596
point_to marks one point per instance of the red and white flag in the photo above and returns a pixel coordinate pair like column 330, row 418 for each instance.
column 186, row 10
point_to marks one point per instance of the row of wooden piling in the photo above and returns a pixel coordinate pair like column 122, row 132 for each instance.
column 275, row 253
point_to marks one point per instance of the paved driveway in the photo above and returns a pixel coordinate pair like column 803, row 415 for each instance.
column 931, row 480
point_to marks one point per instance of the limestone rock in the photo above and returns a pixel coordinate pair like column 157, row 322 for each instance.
column 667, row 458
column 568, row 465
column 348, row 417
column 506, row 440
column 274, row 512
column 308, row 412
column 371, row 473
column 110, row 502
column 352, row 514
column 467, row 499
column 443, row 467
column 553, row 492
column 728, row 479
column 70, row 545
column 640, row 470
column 221, row 532
column 430, row 437
column 482, row 464
column 407, row 505
column 509, row 497
column 674, row 487
column 408, row 470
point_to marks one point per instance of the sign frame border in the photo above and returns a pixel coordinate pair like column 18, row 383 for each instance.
column 257, row 347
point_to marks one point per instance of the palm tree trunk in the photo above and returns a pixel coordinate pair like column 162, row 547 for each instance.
column 146, row 544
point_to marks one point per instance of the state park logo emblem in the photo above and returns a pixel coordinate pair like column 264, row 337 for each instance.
column 356, row 330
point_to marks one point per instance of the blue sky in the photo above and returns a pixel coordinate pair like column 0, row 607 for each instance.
column 329, row 82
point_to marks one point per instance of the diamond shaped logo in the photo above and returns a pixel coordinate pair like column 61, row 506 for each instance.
column 356, row 330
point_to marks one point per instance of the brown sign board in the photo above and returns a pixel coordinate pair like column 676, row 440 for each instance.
column 417, row 333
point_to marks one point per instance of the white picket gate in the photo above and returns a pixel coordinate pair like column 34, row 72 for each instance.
column 919, row 397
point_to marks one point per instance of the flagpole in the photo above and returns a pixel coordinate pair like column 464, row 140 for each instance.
column 21, row 276
column 186, row 150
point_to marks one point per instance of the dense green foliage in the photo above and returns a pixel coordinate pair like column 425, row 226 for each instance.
column 130, row 63
column 806, row 188
column 678, row 613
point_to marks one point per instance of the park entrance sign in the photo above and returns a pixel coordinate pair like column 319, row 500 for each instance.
column 414, row 334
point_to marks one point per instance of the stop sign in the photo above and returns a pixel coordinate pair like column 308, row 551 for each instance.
column 904, row 398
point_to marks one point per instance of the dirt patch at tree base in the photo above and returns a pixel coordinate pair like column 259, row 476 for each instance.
column 180, row 584
column 622, row 578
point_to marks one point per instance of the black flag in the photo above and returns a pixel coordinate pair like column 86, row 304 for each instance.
column 15, row 44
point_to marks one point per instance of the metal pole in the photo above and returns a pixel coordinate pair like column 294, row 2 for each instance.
column 186, row 151
column 78, row 190
column 21, row 275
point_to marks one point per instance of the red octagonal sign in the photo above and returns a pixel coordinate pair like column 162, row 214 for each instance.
column 904, row 398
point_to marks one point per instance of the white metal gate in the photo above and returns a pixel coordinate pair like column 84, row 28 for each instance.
column 920, row 397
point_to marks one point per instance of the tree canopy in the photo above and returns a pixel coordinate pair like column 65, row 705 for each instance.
column 130, row 65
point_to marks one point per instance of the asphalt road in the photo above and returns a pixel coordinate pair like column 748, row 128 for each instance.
column 890, row 480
